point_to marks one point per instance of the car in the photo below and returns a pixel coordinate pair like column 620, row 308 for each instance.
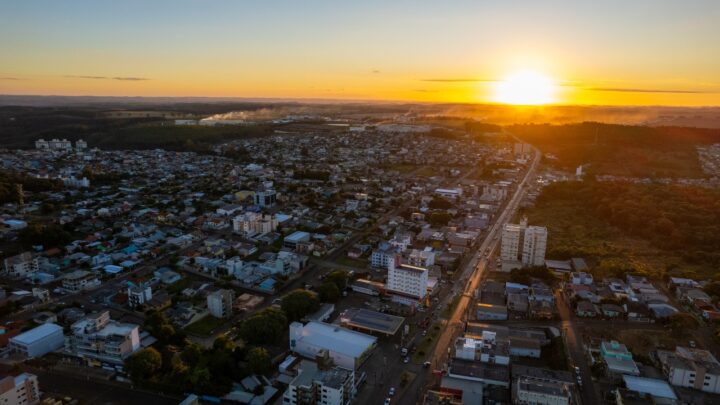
column 404, row 351
column 692, row 344
column 424, row 332
column 406, row 360
column 426, row 364
column 387, row 401
column 577, row 370
column 392, row 391
column 579, row 381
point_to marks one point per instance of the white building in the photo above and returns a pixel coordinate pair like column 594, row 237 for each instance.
column 21, row 390
column 97, row 337
column 692, row 368
column 421, row 258
column 76, row 183
column 407, row 284
column 382, row 256
column 80, row 145
column 56, row 144
column 347, row 348
column 138, row 295
column 534, row 245
column 20, row 266
column 38, row 341
column 451, row 193
column 42, row 144
column 510, row 246
column 253, row 223
column 220, row 303
column 581, row 278
column 265, row 198
column 318, row 384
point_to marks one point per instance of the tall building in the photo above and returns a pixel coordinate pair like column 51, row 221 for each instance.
column 534, row 245
column 252, row 223
column 21, row 390
column 139, row 294
column 320, row 384
column 265, row 197
column 692, row 368
column 522, row 246
column 220, row 303
column 407, row 284
column 99, row 338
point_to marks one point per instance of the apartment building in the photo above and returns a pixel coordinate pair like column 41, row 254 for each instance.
column 320, row 383
column 138, row 295
column 534, row 245
column 407, row 284
column 20, row 266
column 541, row 391
column 382, row 256
column 692, row 368
column 80, row 280
column 253, row 223
column 99, row 338
column 522, row 246
column 220, row 303
column 20, row 390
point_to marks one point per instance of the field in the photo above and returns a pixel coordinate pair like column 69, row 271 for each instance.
column 205, row 326
column 622, row 150
column 620, row 228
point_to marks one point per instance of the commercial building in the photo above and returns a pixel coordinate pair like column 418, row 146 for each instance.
column 265, row 198
column 692, row 368
column 371, row 321
column 407, row 284
column 21, row 390
column 320, row 384
column 138, row 295
column 296, row 238
column 347, row 348
column 220, row 303
column 99, row 338
column 541, row 391
column 38, row 341
column 21, row 265
column 80, row 280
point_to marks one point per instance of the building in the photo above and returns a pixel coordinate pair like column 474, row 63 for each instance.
column 253, row 223
column 80, row 145
column 581, row 278
column 618, row 359
column 80, row 280
column 220, row 303
column 421, row 258
column 20, row 266
column 541, row 391
column 265, row 198
column 21, row 390
column 407, row 284
column 296, row 238
column 371, row 321
column 348, row 349
column 99, row 338
column 692, row 368
column 534, row 245
column 138, row 295
column 510, row 246
column 451, row 193
column 38, row 341
column 382, row 256
column 490, row 312
column 320, row 384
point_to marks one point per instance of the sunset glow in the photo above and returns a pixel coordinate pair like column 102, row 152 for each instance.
column 525, row 88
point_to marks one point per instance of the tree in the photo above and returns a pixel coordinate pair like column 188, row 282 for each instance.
column 258, row 360
column 328, row 292
column 266, row 326
column 299, row 303
column 439, row 218
column 339, row 278
column 681, row 323
column 192, row 354
column 144, row 364
column 439, row 203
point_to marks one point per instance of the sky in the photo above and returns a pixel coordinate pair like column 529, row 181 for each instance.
column 611, row 52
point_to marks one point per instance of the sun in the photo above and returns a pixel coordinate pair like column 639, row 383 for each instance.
column 525, row 87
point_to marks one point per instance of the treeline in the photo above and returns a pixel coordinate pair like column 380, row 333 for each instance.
column 684, row 221
column 623, row 150
column 10, row 179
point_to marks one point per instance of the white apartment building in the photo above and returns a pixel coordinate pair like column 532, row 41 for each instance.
column 382, row 256
column 80, row 280
column 318, row 384
column 98, row 338
column 401, row 241
column 138, row 295
column 21, row 390
column 510, row 246
column 20, row 266
column 80, row 145
column 534, row 245
column 692, row 368
column 421, row 258
column 220, row 303
column 252, row 223
column 407, row 284
column 265, row 198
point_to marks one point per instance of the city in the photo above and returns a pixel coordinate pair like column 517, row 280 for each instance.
column 223, row 205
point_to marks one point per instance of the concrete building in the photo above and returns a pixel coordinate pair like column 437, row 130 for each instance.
column 541, row 391
column 220, row 303
column 265, row 198
column 21, row 390
column 421, row 258
column 20, row 266
column 510, row 246
column 138, row 295
column 534, row 245
column 98, row 338
column 382, row 256
column 320, row 384
column 692, row 368
column 348, row 349
column 407, row 284
column 38, row 341
column 80, row 280
column 253, row 223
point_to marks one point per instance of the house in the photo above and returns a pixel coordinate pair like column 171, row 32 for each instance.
column 581, row 278
column 80, row 280
column 612, row 310
column 691, row 368
column 586, row 309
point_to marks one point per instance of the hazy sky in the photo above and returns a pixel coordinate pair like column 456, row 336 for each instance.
column 602, row 52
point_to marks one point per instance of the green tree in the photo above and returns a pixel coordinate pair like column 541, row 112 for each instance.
column 299, row 303
column 192, row 354
column 328, row 292
column 439, row 218
column 258, row 360
column 681, row 324
column 339, row 278
column 144, row 364
column 266, row 326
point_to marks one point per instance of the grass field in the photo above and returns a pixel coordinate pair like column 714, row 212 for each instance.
column 205, row 326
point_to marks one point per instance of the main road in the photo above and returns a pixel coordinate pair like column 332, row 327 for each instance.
column 475, row 269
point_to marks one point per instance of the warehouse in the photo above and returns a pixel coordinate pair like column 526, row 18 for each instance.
column 38, row 341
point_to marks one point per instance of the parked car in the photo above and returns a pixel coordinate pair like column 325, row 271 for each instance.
column 392, row 391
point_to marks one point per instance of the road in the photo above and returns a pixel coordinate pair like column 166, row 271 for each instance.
column 473, row 273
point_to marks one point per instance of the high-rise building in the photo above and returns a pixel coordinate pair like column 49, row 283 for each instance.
column 220, row 303
column 406, row 284
column 21, row 390
column 534, row 245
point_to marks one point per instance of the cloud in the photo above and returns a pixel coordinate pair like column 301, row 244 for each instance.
column 124, row 78
column 460, row 80
column 425, row 91
column 10, row 78
column 632, row 90
column 376, row 71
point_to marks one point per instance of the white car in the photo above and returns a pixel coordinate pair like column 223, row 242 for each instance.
column 406, row 360
column 392, row 391
column 387, row 401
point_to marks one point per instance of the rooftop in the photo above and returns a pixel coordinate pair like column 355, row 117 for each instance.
column 36, row 334
column 335, row 338
column 371, row 320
